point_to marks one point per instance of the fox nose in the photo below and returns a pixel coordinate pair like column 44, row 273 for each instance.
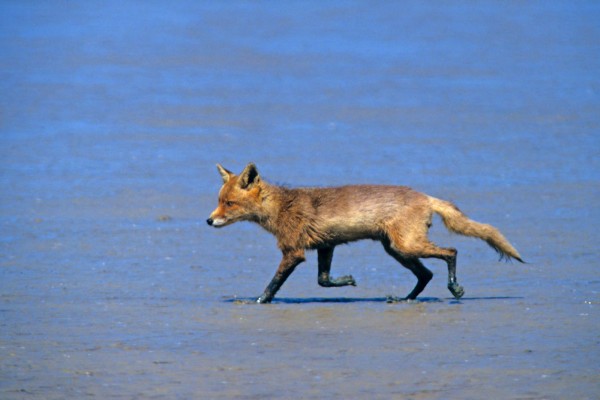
column 209, row 221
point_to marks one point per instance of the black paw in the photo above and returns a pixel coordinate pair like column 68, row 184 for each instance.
column 263, row 300
column 347, row 280
column 456, row 290
column 394, row 299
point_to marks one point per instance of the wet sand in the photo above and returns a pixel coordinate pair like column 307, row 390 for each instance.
column 112, row 117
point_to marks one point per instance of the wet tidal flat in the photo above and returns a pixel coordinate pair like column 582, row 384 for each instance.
column 112, row 118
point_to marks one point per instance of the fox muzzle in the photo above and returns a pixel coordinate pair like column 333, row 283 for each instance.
column 217, row 222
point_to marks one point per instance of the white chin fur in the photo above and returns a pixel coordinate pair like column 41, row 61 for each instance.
column 218, row 222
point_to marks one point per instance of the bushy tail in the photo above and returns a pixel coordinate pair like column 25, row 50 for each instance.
column 458, row 222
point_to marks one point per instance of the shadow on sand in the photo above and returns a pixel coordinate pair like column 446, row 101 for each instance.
column 388, row 299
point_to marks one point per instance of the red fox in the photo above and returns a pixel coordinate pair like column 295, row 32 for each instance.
column 322, row 218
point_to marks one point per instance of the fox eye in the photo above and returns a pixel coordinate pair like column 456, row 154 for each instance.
column 229, row 203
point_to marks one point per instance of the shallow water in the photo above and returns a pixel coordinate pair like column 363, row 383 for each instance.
column 112, row 117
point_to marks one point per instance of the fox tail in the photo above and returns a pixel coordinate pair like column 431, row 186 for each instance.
column 458, row 222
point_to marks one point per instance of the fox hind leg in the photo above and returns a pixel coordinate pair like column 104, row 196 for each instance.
column 325, row 255
column 423, row 274
column 449, row 255
column 457, row 290
column 413, row 245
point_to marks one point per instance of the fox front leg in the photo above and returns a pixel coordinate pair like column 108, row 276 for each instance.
column 324, row 279
column 290, row 261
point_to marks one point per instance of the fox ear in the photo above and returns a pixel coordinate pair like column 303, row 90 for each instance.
column 224, row 173
column 249, row 176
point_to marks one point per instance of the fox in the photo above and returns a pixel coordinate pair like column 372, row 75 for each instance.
column 321, row 218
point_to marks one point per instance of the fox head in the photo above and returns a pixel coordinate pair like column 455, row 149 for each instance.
column 239, row 197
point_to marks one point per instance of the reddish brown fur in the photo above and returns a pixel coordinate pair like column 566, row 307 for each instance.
column 321, row 218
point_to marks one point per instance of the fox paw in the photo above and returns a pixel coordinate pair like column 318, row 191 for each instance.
column 347, row 280
column 263, row 300
column 394, row 299
column 456, row 290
